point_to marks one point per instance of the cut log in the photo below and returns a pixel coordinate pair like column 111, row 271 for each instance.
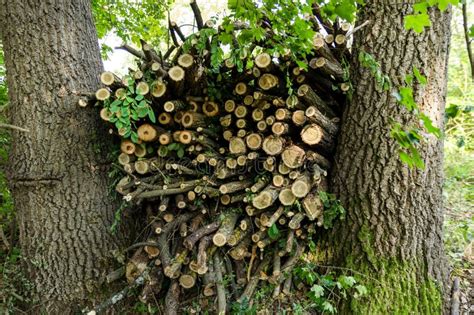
column 158, row 89
column 315, row 116
column 148, row 133
column 233, row 187
column 127, row 147
column 286, row 197
column 266, row 197
column 293, row 156
column 313, row 206
column 273, row 145
column 228, row 222
column 312, row 99
column 302, row 185
column 254, row 141
column 237, row 146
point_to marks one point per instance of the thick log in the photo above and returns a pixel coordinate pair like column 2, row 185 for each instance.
column 228, row 222
column 315, row 116
column 293, row 156
column 266, row 197
column 273, row 145
column 312, row 99
column 286, row 197
column 191, row 240
column 302, row 185
column 313, row 134
column 232, row 187
column 313, row 206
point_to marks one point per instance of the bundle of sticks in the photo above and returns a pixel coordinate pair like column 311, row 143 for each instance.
column 228, row 166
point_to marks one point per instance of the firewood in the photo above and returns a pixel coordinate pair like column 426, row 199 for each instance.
column 293, row 156
column 266, row 197
column 225, row 230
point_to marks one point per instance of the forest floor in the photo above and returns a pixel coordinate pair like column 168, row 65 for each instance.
column 459, row 218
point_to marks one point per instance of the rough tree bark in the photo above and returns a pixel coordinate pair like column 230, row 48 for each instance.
column 393, row 229
column 57, row 175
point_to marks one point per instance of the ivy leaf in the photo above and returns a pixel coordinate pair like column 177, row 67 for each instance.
column 405, row 158
column 417, row 22
column 317, row 290
column 273, row 232
column 421, row 78
column 428, row 123
column 328, row 307
column 361, row 291
column 347, row 281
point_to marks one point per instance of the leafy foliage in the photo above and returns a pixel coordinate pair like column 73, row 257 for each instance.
column 128, row 108
column 332, row 209
column 130, row 20
column 420, row 17
column 326, row 289
column 408, row 137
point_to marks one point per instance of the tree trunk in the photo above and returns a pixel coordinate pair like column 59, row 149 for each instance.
column 58, row 178
column 393, row 229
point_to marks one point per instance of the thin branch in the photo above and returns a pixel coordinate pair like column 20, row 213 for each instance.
column 8, row 126
column 355, row 29
column 468, row 41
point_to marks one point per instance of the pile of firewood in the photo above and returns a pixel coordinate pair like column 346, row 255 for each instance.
column 228, row 167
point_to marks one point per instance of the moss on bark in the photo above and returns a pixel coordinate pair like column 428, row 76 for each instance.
column 395, row 286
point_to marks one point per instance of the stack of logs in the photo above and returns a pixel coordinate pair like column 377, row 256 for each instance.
column 229, row 181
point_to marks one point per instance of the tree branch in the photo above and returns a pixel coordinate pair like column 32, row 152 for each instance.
column 8, row 126
column 468, row 41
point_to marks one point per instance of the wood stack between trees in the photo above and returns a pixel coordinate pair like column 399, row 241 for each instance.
column 230, row 170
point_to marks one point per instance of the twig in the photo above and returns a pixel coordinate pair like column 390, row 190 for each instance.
column 8, row 126
column 468, row 40
column 141, row 244
column 355, row 29
column 114, row 299
column 4, row 239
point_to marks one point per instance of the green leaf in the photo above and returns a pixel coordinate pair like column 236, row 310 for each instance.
column 328, row 307
column 273, row 232
column 421, row 78
column 361, row 291
column 134, row 137
column 317, row 290
column 180, row 152
column 405, row 158
column 151, row 115
column 452, row 111
column 347, row 281
column 139, row 97
column 443, row 4
column 428, row 123
column 417, row 22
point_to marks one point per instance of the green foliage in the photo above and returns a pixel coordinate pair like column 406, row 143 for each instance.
column 332, row 209
column 178, row 147
column 15, row 287
column 326, row 290
column 344, row 9
column 420, row 17
column 273, row 232
column 130, row 20
column 127, row 109
column 408, row 137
